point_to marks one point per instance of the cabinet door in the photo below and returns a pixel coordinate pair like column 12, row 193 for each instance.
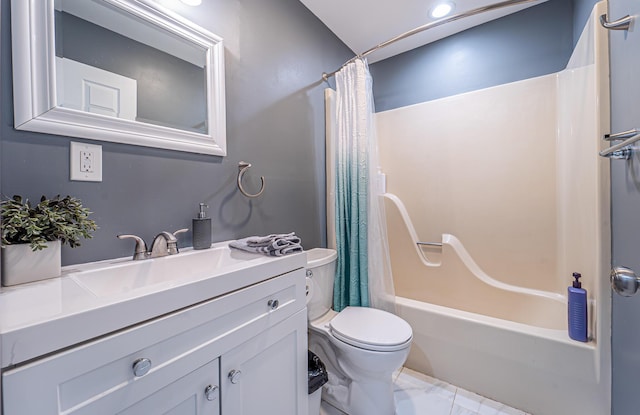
column 81, row 378
column 196, row 393
column 268, row 374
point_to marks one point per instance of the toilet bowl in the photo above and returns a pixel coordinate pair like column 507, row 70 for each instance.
column 362, row 347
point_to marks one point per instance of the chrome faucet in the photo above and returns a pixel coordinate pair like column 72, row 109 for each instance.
column 165, row 243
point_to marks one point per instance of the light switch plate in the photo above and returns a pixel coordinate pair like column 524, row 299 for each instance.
column 85, row 162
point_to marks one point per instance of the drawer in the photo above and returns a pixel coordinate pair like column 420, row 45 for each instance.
column 175, row 345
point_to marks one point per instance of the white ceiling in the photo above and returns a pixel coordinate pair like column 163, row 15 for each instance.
column 362, row 24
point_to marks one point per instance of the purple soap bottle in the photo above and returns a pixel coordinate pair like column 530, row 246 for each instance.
column 577, row 310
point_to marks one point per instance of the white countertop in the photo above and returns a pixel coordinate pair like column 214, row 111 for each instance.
column 42, row 317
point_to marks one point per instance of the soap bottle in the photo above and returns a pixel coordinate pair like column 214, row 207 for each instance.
column 201, row 229
column 577, row 310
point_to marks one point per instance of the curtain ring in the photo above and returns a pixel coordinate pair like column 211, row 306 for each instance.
column 242, row 169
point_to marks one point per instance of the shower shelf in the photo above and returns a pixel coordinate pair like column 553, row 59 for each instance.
column 621, row 150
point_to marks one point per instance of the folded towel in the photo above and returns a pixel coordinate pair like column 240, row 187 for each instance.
column 273, row 238
column 272, row 245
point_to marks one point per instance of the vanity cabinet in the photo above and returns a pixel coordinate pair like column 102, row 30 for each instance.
column 244, row 352
column 260, row 377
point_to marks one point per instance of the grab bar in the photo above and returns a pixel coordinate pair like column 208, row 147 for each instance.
column 430, row 243
column 619, row 151
column 621, row 136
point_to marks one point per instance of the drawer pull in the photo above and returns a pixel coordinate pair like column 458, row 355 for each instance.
column 234, row 376
column 141, row 366
column 273, row 304
column 211, row 392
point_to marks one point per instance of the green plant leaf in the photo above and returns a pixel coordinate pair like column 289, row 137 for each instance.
column 50, row 220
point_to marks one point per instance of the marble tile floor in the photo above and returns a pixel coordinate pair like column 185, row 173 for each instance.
column 418, row 394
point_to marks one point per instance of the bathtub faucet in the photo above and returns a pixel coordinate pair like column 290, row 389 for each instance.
column 165, row 243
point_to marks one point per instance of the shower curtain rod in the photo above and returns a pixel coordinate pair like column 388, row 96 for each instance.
column 428, row 26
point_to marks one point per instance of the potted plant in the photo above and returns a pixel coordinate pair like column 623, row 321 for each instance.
column 32, row 236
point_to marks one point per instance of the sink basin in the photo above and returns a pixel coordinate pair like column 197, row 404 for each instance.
column 93, row 299
column 125, row 276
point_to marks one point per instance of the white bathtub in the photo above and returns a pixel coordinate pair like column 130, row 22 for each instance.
column 534, row 369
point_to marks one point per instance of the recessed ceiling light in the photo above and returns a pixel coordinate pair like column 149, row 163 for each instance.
column 441, row 10
column 192, row 2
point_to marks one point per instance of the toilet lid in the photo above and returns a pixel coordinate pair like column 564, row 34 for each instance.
column 371, row 329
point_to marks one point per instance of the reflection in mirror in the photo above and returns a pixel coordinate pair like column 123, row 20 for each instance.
column 127, row 71
column 138, row 73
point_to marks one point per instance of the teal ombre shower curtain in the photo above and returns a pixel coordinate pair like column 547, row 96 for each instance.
column 363, row 274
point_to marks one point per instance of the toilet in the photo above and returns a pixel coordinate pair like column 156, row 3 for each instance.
column 361, row 347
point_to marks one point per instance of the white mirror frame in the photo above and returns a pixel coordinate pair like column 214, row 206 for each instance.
column 34, row 82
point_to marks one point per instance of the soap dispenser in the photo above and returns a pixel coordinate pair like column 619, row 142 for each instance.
column 577, row 310
column 202, row 229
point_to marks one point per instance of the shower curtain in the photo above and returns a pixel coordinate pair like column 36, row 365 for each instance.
column 363, row 274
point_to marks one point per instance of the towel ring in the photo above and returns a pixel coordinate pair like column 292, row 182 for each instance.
column 243, row 166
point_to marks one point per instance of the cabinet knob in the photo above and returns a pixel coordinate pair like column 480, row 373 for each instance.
column 211, row 392
column 234, row 376
column 141, row 366
column 273, row 304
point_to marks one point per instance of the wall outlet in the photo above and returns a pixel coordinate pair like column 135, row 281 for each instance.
column 86, row 162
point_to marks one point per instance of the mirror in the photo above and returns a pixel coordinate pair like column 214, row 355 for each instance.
column 126, row 71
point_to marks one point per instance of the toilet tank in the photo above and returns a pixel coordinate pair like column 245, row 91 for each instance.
column 321, row 270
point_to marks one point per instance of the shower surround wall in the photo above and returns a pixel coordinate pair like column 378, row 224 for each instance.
column 482, row 166
column 513, row 172
column 275, row 53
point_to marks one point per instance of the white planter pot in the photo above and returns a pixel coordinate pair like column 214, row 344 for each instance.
column 21, row 265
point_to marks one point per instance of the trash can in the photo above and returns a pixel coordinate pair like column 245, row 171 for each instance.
column 317, row 374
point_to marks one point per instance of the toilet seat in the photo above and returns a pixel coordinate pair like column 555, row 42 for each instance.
column 371, row 329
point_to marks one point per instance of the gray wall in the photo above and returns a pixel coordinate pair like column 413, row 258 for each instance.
column 275, row 52
column 625, row 205
column 533, row 42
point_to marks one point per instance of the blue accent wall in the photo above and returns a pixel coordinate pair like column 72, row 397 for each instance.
column 581, row 12
column 533, row 42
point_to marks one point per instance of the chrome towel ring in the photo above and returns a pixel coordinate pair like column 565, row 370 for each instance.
column 243, row 166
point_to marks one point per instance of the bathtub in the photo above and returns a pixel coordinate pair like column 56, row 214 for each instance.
column 534, row 369
column 505, row 342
